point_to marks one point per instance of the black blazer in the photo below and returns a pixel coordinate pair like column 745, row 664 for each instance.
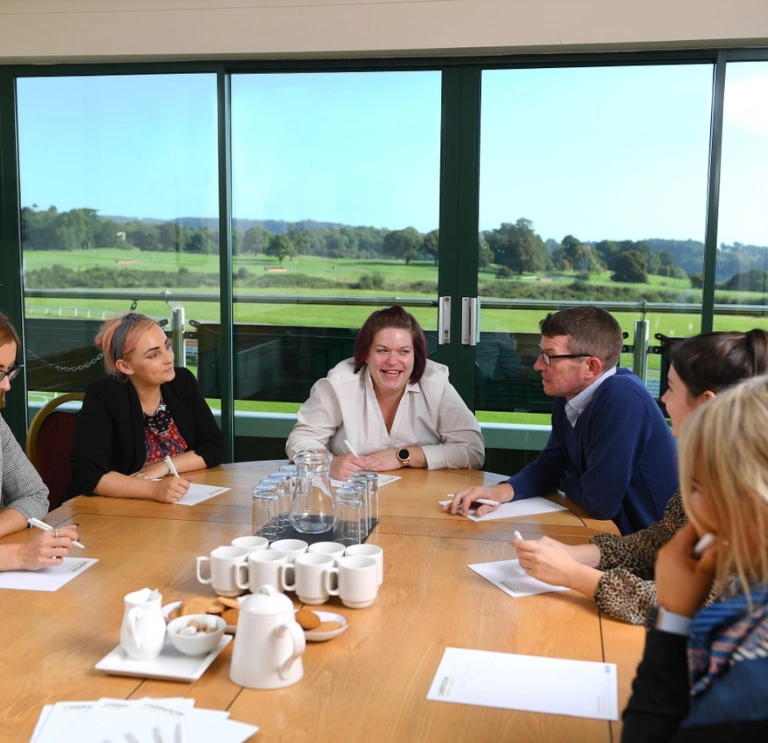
column 109, row 435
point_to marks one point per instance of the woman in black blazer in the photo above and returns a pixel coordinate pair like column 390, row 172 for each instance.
column 144, row 411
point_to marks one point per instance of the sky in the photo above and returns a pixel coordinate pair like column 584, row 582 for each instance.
column 600, row 153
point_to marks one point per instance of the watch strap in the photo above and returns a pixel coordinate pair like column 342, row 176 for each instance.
column 674, row 624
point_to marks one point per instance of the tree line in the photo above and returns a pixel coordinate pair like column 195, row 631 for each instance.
column 515, row 248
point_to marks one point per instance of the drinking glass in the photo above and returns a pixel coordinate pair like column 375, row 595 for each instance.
column 350, row 516
column 281, row 483
column 373, row 490
column 264, row 519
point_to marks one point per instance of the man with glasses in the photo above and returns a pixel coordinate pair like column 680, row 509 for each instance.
column 610, row 451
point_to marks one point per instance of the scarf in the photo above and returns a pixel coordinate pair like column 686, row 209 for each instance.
column 725, row 633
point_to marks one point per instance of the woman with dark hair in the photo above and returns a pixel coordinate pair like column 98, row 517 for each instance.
column 144, row 411
column 22, row 492
column 618, row 572
column 395, row 407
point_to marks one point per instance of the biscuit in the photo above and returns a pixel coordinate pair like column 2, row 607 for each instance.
column 196, row 605
column 214, row 607
column 175, row 613
column 307, row 619
column 230, row 616
column 327, row 626
column 226, row 601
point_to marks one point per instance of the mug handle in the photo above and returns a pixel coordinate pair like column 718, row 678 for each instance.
column 299, row 644
column 200, row 561
column 282, row 577
column 241, row 569
column 327, row 579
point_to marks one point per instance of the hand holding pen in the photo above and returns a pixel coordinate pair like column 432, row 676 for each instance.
column 46, row 549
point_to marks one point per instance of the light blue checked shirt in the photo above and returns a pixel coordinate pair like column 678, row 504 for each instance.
column 577, row 405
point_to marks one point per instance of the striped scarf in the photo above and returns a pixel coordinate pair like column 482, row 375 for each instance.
column 725, row 633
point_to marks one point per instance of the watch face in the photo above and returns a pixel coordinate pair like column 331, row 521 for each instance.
column 403, row 455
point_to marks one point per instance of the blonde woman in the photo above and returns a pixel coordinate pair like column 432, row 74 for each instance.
column 704, row 673
column 144, row 411
column 24, row 496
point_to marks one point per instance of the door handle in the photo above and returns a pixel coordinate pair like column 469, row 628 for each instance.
column 443, row 320
column 470, row 320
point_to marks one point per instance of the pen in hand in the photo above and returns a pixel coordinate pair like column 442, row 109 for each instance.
column 351, row 448
column 703, row 543
column 171, row 466
column 47, row 527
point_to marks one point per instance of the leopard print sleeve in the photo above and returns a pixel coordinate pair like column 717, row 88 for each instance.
column 621, row 594
column 636, row 553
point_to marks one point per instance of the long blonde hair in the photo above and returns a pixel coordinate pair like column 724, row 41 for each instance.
column 724, row 446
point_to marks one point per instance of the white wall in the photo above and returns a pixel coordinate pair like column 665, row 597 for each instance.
column 77, row 30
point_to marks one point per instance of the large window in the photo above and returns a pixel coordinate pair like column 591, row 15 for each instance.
column 119, row 193
column 593, row 187
column 335, row 201
column 741, row 274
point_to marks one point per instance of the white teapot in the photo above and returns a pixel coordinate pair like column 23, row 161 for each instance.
column 269, row 642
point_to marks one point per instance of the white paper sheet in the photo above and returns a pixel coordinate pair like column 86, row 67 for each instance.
column 46, row 579
column 198, row 493
column 383, row 480
column 512, row 579
column 113, row 719
column 515, row 508
column 526, row 682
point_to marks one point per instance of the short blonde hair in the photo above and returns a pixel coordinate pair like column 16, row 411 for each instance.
column 724, row 446
column 118, row 337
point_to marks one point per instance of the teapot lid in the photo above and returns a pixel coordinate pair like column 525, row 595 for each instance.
column 267, row 601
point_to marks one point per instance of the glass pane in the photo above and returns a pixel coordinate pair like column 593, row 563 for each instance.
column 742, row 261
column 119, row 193
column 335, row 203
column 593, row 189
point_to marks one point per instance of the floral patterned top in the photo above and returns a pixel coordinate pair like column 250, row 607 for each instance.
column 161, row 436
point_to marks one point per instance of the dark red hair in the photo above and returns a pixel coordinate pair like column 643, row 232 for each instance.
column 392, row 317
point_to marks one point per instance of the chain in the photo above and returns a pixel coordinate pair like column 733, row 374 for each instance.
column 57, row 367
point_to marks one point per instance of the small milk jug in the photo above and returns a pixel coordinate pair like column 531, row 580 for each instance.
column 269, row 642
column 142, row 634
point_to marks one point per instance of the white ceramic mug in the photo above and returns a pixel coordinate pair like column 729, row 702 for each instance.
column 311, row 577
column 369, row 550
column 328, row 548
column 251, row 543
column 292, row 548
column 229, row 570
column 357, row 582
column 142, row 633
column 267, row 568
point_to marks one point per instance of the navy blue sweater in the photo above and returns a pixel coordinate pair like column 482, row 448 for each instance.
column 618, row 462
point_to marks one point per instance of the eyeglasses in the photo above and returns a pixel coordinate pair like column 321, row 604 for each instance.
column 547, row 357
column 11, row 372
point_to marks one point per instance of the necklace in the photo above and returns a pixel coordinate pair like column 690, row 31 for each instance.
column 153, row 410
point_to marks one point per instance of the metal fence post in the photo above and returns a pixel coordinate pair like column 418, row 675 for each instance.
column 177, row 333
column 640, row 349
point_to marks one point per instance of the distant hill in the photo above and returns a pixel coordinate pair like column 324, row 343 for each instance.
column 273, row 226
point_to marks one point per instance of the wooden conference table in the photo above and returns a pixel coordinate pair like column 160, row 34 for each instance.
column 371, row 682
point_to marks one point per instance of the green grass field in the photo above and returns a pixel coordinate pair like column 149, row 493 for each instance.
column 396, row 276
